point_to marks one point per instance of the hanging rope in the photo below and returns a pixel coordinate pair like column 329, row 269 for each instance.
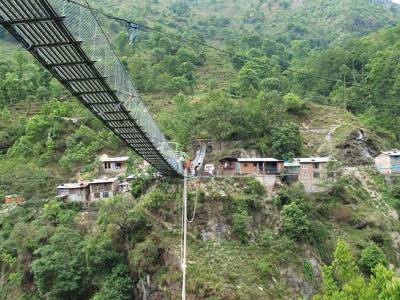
column 194, row 210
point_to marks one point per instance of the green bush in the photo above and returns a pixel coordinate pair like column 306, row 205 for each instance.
column 288, row 194
column 371, row 256
column 295, row 222
column 156, row 199
column 144, row 258
column 266, row 239
column 293, row 103
column 241, row 226
column 264, row 267
column 137, row 187
column 117, row 286
column 254, row 187
column 308, row 270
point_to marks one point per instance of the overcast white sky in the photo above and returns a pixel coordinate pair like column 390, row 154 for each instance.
column 396, row 1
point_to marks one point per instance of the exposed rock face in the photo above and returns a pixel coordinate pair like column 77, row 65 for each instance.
column 301, row 286
column 358, row 149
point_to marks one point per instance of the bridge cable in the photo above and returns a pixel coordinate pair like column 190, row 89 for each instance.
column 195, row 41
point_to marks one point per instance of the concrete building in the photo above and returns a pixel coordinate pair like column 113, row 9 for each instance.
column 103, row 188
column 76, row 192
column 312, row 172
column 264, row 166
column 114, row 165
column 388, row 162
column 265, row 170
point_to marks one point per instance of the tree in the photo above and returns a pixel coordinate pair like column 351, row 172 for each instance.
column 343, row 280
column 59, row 270
column 286, row 141
column 295, row 222
column 371, row 256
column 117, row 286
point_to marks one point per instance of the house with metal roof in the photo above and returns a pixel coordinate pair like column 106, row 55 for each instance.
column 75, row 192
column 263, row 166
column 388, row 162
column 103, row 188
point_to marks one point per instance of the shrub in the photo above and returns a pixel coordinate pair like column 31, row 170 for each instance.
column 266, row 239
column 371, row 256
column 156, row 199
column 241, row 226
column 137, row 187
column 295, row 222
column 308, row 270
column 288, row 194
column 144, row 257
column 118, row 285
column 254, row 187
column 264, row 267
column 293, row 103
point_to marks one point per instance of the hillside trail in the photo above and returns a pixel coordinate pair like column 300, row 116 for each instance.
column 329, row 138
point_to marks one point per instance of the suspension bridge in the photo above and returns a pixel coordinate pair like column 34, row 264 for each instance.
column 68, row 40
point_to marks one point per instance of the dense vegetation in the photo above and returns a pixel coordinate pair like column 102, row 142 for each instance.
column 289, row 64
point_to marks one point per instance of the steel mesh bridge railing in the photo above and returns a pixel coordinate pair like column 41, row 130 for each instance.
column 68, row 40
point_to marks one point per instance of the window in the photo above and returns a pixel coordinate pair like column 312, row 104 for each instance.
column 316, row 165
column 245, row 165
column 118, row 165
column 303, row 166
column 305, row 175
column 96, row 195
column 316, row 175
column 106, row 194
column 107, row 165
column 254, row 164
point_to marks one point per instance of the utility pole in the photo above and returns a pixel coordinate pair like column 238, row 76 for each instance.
column 184, row 235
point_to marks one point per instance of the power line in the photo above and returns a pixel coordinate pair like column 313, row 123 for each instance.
column 195, row 41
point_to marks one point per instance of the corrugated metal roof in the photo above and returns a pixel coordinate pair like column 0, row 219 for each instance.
column 292, row 164
column 255, row 159
column 106, row 180
column 313, row 159
column 392, row 153
column 114, row 159
column 78, row 185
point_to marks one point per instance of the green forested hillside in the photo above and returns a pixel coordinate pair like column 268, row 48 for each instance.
column 299, row 78
column 319, row 22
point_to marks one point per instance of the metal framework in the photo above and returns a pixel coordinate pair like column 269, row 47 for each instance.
column 69, row 42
